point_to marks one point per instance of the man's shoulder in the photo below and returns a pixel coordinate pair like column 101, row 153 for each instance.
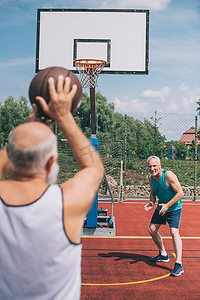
column 170, row 177
column 169, row 173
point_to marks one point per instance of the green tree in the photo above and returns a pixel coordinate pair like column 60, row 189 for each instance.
column 181, row 151
column 12, row 114
column 143, row 138
column 157, row 139
column 104, row 113
column 82, row 115
column 148, row 142
column 198, row 106
column 143, row 141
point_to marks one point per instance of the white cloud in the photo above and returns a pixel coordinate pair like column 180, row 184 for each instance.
column 172, row 107
column 133, row 105
column 17, row 62
column 183, row 87
column 160, row 94
column 136, row 4
column 170, row 50
column 156, row 5
column 190, row 99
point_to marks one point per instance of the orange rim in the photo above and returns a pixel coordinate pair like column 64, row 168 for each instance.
column 89, row 63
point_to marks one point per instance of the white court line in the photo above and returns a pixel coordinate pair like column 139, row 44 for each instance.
column 149, row 237
column 135, row 202
column 140, row 237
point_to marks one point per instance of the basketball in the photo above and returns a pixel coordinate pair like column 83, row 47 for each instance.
column 39, row 87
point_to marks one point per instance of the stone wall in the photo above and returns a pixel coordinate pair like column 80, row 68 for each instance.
column 144, row 191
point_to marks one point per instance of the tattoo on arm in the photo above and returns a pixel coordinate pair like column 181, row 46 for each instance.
column 89, row 149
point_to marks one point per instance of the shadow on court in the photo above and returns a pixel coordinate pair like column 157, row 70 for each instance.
column 133, row 258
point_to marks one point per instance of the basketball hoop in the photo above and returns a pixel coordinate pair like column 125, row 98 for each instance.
column 89, row 70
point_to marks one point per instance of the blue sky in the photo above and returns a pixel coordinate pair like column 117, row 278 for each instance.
column 173, row 83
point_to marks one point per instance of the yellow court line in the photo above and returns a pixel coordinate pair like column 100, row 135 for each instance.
column 133, row 282
column 126, row 283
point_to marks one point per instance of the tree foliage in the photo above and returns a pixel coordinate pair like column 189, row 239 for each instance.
column 181, row 151
column 143, row 138
column 12, row 113
column 198, row 106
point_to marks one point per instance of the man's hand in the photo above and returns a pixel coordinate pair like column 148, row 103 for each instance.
column 148, row 206
column 34, row 118
column 60, row 98
column 163, row 209
column 33, row 115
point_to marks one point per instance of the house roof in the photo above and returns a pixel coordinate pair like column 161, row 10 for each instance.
column 189, row 136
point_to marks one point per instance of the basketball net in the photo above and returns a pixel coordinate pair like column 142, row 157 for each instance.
column 89, row 70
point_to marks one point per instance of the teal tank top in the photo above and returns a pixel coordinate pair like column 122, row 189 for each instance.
column 165, row 193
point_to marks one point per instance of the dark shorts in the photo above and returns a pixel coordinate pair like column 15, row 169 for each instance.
column 173, row 218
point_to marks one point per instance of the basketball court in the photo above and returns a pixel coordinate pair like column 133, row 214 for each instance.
column 119, row 267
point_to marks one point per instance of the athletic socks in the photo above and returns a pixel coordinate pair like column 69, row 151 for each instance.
column 163, row 253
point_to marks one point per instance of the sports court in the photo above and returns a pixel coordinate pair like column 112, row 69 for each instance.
column 119, row 267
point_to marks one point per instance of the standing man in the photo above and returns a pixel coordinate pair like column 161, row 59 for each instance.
column 165, row 185
column 40, row 221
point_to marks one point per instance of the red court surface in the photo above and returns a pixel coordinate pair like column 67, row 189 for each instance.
column 119, row 267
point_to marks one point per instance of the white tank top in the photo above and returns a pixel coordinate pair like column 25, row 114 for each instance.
column 37, row 260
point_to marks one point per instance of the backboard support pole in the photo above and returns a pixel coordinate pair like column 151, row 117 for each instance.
column 93, row 112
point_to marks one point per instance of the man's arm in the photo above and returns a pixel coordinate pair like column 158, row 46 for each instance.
column 152, row 200
column 79, row 192
column 5, row 166
column 172, row 180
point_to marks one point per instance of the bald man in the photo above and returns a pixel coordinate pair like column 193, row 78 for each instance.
column 41, row 221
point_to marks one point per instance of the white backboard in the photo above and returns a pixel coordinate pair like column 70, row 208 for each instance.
column 121, row 37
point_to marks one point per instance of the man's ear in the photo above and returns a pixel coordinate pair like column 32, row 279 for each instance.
column 50, row 162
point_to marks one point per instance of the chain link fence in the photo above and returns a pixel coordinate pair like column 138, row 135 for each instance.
column 187, row 169
column 111, row 153
column 126, row 149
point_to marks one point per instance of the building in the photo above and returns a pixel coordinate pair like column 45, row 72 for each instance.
column 188, row 137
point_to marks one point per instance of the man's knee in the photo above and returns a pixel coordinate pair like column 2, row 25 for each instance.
column 152, row 229
column 174, row 232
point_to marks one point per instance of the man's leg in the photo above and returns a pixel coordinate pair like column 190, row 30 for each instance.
column 153, row 231
column 177, row 243
column 156, row 222
column 162, row 256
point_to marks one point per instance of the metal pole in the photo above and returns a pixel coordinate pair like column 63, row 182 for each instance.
column 93, row 112
column 125, row 152
column 195, row 161
column 121, row 190
column 92, row 214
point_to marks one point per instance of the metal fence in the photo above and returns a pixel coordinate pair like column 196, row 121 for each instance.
column 126, row 173
column 172, row 127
